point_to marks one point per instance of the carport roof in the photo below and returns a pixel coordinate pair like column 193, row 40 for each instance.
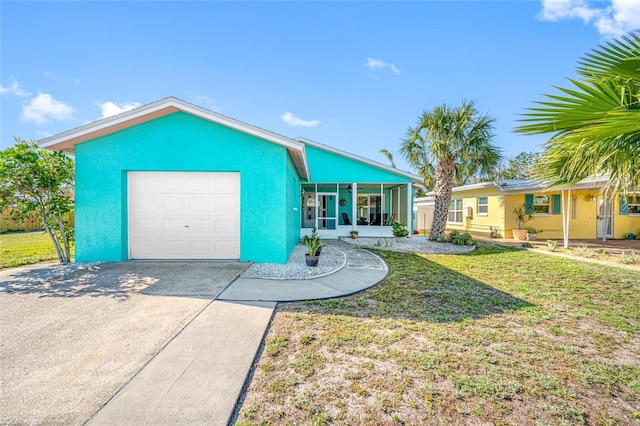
column 66, row 141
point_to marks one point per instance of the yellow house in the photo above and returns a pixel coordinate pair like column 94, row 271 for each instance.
column 487, row 208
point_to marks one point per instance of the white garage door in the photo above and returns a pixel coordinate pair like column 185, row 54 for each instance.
column 184, row 215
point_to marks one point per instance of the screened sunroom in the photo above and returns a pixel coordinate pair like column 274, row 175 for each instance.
column 370, row 208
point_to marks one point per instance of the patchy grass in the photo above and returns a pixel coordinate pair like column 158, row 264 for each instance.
column 498, row 336
column 626, row 257
column 25, row 248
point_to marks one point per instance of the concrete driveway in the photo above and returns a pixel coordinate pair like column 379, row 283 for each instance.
column 71, row 337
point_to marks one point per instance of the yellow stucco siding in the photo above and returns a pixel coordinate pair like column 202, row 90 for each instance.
column 584, row 224
column 581, row 225
column 511, row 202
column 583, row 215
column 624, row 223
column 479, row 223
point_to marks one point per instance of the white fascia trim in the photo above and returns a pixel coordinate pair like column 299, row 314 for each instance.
column 248, row 129
column 590, row 184
column 181, row 105
column 104, row 123
column 306, row 164
column 360, row 159
column 506, row 186
column 471, row 187
column 237, row 125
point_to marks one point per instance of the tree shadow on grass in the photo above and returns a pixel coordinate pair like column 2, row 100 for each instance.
column 419, row 289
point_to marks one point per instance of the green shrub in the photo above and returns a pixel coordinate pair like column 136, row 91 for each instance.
column 455, row 237
column 400, row 229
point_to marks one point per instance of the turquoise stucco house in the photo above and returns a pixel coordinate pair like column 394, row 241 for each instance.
column 171, row 180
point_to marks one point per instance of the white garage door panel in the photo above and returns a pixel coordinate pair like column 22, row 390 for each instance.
column 200, row 185
column 184, row 215
column 149, row 226
column 150, row 246
column 225, row 248
column 200, row 247
column 145, row 204
column 227, row 227
column 201, row 205
column 145, row 184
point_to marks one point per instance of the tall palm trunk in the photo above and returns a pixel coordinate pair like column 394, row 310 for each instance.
column 453, row 144
column 444, row 185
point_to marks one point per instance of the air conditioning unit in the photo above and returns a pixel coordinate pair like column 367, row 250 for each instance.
column 468, row 212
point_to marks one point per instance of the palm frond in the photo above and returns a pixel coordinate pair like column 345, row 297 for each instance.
column 595, row 123
column 619, row 58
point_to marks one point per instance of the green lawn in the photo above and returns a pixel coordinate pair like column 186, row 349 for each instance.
column 25, row 248
column 500, row 336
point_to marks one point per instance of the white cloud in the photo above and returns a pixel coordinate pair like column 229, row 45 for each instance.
column 111, row 108
column 292, row 120
column 14, row 89
column 55, row 77
column 44, row 108
column 205, row 101
column 616, row 18
column 373, row 63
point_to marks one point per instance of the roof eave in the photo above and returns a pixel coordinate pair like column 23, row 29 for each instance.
column 415, row 178
column 66, row 141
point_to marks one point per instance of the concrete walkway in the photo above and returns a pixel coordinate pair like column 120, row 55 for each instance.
column 362, row 270
column 198, row 376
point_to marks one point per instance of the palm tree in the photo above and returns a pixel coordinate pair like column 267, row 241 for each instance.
column 595, row 124
column 456, row 144
column 389, row 156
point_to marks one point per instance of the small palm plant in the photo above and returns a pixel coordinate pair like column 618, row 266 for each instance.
column 312, row 247
column 521, row 216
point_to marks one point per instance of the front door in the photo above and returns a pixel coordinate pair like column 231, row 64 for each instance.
column 327, row 214
column 604, row 228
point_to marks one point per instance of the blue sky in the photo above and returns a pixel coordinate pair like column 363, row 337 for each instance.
column 353, row 75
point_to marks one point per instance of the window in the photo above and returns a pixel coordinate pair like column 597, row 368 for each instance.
column 455, row 211
column 370, row 210
column 541, row 204
column 633, row 204
column 483, row 206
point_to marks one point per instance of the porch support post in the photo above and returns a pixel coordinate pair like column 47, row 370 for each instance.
column 354, row 205
column 566, row 211
column 382, row 202
column 409, row 208
column 607, row 206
